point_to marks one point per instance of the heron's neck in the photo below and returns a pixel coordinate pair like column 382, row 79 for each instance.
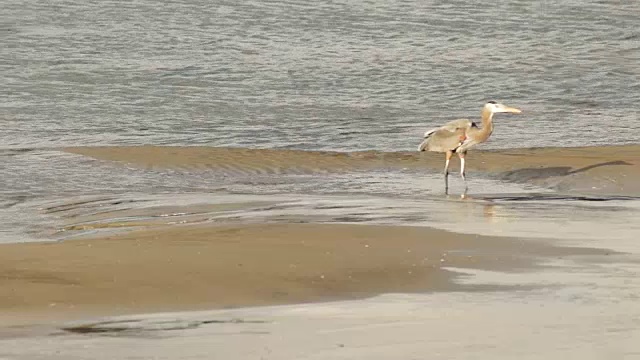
column 487, row 123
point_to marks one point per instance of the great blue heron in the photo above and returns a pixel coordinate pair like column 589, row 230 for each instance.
column 460, row 135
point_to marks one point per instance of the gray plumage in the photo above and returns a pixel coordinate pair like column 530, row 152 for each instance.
column 460, row 135
column 447, row 137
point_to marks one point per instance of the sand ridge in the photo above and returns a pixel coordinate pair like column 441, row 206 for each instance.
column 605, row 169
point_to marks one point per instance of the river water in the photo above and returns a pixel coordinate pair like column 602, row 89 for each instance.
column 341, row 75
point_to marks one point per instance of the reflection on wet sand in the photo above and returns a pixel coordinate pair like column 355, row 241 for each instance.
column 488, row 208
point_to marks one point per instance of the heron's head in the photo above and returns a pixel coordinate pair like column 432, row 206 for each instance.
column 494, row 107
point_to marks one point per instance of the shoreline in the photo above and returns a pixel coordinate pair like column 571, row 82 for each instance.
column 202, row 266
column 198, row 267
column 598, row 169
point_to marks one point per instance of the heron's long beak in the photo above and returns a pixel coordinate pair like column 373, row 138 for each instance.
column 508, row 109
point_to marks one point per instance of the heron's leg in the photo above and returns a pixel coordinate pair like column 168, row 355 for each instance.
column 461, row 156
column 446, row 171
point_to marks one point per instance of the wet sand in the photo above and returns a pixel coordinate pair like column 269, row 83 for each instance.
column 227, row 265
column 220, row 266
column 604, row 169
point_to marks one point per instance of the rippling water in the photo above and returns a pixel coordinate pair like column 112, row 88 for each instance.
column 342, row 75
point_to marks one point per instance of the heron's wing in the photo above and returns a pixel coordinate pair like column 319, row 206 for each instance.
column 445, row 137
column 470, row 140
column 457, row 124
column 442, row 140
column 452, row 125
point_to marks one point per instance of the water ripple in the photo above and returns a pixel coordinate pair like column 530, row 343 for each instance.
column 196, row 72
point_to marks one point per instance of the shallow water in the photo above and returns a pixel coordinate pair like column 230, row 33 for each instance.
column 124, row 196
column 553, row 322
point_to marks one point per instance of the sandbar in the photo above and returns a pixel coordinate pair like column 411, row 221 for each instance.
column 209, row 266
column 595, row 169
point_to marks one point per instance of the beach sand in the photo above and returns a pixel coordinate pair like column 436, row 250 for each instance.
column 221, row 266
column 602, row 169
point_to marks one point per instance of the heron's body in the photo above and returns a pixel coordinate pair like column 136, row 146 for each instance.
column 447, row 137
column 460, row 135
